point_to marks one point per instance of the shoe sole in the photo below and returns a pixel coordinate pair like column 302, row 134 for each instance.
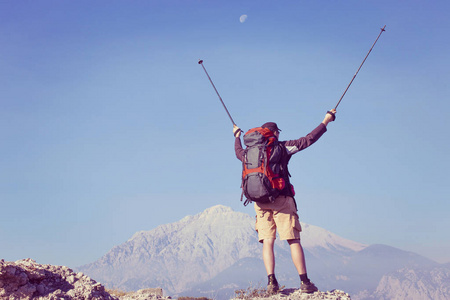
column 274, row 292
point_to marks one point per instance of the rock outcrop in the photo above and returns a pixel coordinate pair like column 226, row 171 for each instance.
column 296, row 294
column 26, row 279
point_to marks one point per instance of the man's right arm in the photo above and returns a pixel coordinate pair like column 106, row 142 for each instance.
column 237, row 143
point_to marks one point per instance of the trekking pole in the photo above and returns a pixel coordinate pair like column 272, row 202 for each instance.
column 354, row 76
column 200, row 62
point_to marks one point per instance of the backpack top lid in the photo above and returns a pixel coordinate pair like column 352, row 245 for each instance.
column 259, row 135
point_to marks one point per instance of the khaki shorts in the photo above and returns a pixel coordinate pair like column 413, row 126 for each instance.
column 281, row 215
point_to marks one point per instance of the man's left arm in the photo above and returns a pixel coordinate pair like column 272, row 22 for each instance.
column 294, row 146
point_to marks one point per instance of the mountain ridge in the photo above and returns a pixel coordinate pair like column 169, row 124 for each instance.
column 188, row 257
column 178, row 243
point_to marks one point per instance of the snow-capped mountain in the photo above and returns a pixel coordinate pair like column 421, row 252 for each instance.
column 316, row 237
column 178, row 255
column 216, row 252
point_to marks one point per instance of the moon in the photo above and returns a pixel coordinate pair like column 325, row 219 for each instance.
column 243, row 18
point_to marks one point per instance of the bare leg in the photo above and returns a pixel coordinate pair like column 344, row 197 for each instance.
column 298, row 257
column 269, row 256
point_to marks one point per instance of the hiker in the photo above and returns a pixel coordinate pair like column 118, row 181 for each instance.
column 281, row 214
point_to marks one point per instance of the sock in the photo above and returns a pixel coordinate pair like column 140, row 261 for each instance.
column 304, row 278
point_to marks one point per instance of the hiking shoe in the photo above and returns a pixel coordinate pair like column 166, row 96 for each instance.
column 272, row 286
column 308, row 287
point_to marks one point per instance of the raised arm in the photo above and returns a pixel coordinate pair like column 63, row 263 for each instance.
column 237, row 143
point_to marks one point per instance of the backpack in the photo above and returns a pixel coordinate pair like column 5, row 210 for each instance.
column 263, row 166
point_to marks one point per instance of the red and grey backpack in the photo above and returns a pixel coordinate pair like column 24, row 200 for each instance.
column 264, row 167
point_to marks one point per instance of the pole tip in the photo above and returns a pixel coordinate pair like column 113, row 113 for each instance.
column 200, row 61
column 383, row 29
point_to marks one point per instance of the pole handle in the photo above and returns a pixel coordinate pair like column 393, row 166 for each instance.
column 332, row 114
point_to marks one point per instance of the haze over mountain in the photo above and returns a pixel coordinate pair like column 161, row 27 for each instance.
column 216, row 252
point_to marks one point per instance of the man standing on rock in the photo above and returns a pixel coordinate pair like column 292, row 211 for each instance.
column 281, row 214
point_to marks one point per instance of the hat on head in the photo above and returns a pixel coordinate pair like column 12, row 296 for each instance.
column 272, row 126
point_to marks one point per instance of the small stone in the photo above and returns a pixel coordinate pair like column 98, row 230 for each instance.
column 71, row 279
column 40, row 289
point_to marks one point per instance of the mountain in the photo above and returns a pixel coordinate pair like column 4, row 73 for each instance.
column 178, row 255
column 413, row 284
column 216, row 252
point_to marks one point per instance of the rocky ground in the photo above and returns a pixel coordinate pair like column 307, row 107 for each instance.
column 329, row 295
column 295, row 294
column 26, row 279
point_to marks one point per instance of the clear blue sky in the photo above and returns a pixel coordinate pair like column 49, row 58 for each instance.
column 108, row 125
